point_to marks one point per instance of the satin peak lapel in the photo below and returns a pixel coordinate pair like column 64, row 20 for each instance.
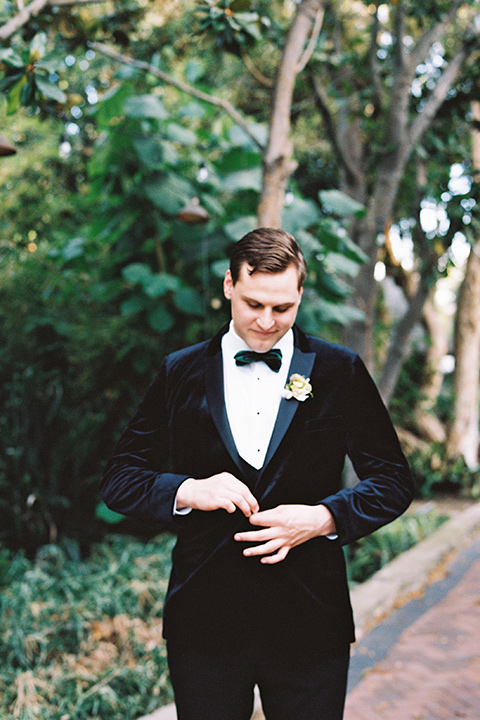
column 216, row 404
column 302, row 363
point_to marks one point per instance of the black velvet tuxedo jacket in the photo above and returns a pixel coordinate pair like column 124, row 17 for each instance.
column 181, row 430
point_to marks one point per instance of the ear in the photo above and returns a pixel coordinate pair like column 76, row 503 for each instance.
column 228, row 285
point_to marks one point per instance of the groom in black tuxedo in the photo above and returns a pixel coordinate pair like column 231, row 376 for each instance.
column 239, row 447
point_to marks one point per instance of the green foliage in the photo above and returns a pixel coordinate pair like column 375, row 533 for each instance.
column 83, row 639
column 371, row 553
column 26, row 76
column 231, row 22
column 434, row 472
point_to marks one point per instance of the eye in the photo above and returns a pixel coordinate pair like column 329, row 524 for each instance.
column 281, row 309
column 253, row 305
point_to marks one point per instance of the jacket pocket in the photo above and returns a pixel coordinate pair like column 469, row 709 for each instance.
column 330, row 422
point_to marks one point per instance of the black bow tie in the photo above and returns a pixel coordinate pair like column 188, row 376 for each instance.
column 273, row 358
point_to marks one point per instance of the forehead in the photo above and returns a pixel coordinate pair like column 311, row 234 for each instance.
column 272, row 288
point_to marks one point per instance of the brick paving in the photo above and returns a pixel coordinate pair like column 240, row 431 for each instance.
column 432, row 670
column 422, row 662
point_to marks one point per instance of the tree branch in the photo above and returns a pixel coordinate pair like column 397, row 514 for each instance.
column 431, row 35
column 424, row 118
column 343, row 158
column 277, row 160
column 32, row 10
column 15, row 23
column 180, row 85
column 373, row 62
column 313, row 40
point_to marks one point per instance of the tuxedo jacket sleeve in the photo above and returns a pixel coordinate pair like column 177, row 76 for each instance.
column 181, row 430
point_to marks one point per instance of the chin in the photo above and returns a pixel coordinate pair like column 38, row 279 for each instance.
column 262, row 344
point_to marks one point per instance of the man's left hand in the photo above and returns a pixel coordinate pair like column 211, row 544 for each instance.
column 284, row 527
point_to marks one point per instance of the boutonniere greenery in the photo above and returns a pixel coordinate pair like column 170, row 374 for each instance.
column 298, row 387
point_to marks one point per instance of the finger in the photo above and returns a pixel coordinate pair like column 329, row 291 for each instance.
column 266, row 518
column 255, row 535
column 227, row 505
column 278, row 557
column 265, row 549
column 249, row 503
column 241, row 503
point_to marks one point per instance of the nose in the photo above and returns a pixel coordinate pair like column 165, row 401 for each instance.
column 266, row 320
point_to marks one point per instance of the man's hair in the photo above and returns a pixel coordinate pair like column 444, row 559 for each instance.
column 267, row 250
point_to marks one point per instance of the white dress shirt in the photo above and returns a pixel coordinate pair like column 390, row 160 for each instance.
column 252, row 396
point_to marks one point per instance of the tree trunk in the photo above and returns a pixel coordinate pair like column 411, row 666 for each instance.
column 278, row 164
column 400, row 134
column 428, row 424
column 399, row 349
column 463, row 433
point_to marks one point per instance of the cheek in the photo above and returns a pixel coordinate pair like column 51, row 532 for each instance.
column 286, row 320
column 243, row 316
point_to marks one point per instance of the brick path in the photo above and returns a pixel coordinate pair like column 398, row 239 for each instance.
column 433, row 671
column 422, row 662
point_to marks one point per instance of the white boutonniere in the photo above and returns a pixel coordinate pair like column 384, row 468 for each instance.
column 298, row 387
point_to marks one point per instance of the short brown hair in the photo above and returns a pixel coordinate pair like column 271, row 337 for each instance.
column 267, row 250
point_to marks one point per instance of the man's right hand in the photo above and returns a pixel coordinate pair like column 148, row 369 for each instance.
column 222, row 491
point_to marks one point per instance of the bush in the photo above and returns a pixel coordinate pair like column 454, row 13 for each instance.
column 371, row 553
column 436, row 473
column 82, row 640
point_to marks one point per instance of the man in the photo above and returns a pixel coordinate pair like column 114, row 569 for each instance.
column 256, row 445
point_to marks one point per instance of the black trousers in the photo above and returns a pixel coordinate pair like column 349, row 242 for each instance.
column 215, row 681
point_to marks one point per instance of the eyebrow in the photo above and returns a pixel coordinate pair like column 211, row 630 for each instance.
column 256, row 302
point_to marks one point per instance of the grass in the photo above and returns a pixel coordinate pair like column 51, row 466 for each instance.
column 82, row 640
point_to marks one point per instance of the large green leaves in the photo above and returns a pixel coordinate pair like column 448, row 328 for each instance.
column 27, row 78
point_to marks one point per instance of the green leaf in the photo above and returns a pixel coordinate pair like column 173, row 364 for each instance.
column 194, row 70
column 169, row 193
column 188, row 301
column 309, row 244
column 145, row 106
column 331, row 286
column 234, row 160
column 341, row 264
column 240, row 5
column 219, row 268
column 150, row 152
column 132, row 306
column 179, row 134
column 300, row 215
column 244, row 180
column 137, row 273
column 10, row 58
column 240, row 227
column 73, row 249
column 38, row 46
column 352, row 250
column 339, row 312
column 8, row 81
column 160, row 319
column 50, row 90
column 159, row 284
column 13, row 98
column 111, row 106
column 27, row 93
column 239, row 137
column 339, row 203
